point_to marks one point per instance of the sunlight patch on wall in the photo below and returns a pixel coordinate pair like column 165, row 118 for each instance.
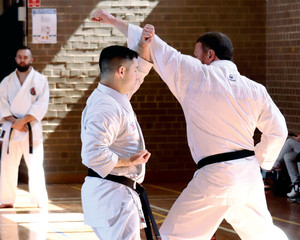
column 75, row 67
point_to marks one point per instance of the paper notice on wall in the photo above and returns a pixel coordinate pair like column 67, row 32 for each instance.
column 44, row 26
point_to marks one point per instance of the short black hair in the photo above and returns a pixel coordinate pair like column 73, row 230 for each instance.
column 218, row 42
column 112, row 57
column 24, row 48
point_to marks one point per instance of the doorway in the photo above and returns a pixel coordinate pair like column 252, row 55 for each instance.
column 12, row 35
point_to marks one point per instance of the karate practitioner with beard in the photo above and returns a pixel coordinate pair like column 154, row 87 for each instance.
column 113, row 146
column 24, row 98
column 222, row 109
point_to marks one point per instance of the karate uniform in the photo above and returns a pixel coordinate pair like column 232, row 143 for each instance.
column 109, row 129
column 222, row 110
column 18, row 100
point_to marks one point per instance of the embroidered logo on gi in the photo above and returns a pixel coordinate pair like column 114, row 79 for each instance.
column 32, row 91
column 132, row 126
column 231, row 77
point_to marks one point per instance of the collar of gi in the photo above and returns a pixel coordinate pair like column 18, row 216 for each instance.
column 225, row 63
column 121, row 98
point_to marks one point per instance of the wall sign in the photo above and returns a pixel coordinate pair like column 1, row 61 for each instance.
column 44, row 26
column 34, row 3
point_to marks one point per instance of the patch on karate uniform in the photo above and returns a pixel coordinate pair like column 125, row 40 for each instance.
column 32, row 91
column 231, row 77
column 132, row 126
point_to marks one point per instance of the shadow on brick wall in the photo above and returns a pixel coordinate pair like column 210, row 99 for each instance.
column 159, row 113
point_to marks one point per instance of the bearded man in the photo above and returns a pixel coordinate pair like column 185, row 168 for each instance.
column 24, row 99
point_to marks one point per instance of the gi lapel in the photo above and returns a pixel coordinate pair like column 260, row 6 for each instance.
column 23, row 100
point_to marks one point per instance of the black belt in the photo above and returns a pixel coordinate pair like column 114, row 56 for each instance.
column 143, row 197
column 1, row 142
column 30, row 139
column 223, row 157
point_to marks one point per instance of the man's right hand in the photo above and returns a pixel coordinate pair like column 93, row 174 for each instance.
column 11, row 119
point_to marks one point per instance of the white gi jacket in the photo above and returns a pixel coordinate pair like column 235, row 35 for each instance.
column 31, row 98
column 222, row 109
column 109, row 129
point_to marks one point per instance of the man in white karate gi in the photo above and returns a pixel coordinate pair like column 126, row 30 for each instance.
column 113, row 145
column 24, row 98
column 222, row 110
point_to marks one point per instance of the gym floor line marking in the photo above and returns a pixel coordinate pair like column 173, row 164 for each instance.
column 166, row 211
column 77, row 188
column 173, row 191
column 286, row 221
column 170, row 190
column 162, row 188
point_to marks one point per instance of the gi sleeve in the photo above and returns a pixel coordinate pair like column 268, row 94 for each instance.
column 100, row 127
column 4, row 102
column 144, row 68
column 272, row 125
column 175, row 69
column 40, row 107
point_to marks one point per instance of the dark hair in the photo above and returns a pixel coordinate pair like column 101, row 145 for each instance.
column 112, row 57
column 218, row 42
column 24, row 48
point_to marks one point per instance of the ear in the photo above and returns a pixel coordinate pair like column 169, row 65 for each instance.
column 121, row 71
column 211, row 55
column 31, row 60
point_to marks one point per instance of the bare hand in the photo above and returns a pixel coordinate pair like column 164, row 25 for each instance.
column 20, row 125
column 297, row 138
column 143, row 48
column 11, row 119
column 147, row 34
column 139, row 157
column 102, row 16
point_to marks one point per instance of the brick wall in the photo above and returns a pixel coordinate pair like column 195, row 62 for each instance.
column 283, row 58
column 71, row 66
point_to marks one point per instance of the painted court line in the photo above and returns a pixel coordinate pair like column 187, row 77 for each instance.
column 170, row 190
column 165, row 189
column 286, row 221
column 166, row 211
column 177, row 192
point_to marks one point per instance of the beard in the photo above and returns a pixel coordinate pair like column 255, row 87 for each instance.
column 23, row 68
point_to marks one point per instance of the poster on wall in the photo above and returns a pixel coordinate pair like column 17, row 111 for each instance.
column 44, row 26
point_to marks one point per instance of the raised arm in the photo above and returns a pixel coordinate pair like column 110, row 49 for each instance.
column 143, row 47
column 102, row 16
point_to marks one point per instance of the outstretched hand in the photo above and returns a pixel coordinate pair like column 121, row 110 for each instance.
column 102, row 16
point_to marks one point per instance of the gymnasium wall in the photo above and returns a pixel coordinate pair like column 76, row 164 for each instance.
column 71, row 67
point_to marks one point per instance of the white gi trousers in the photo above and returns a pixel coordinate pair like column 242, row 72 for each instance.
column 9, row 171
column 111, row 209
column 196, row 215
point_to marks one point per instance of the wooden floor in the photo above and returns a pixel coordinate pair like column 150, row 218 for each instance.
column 64, row 219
